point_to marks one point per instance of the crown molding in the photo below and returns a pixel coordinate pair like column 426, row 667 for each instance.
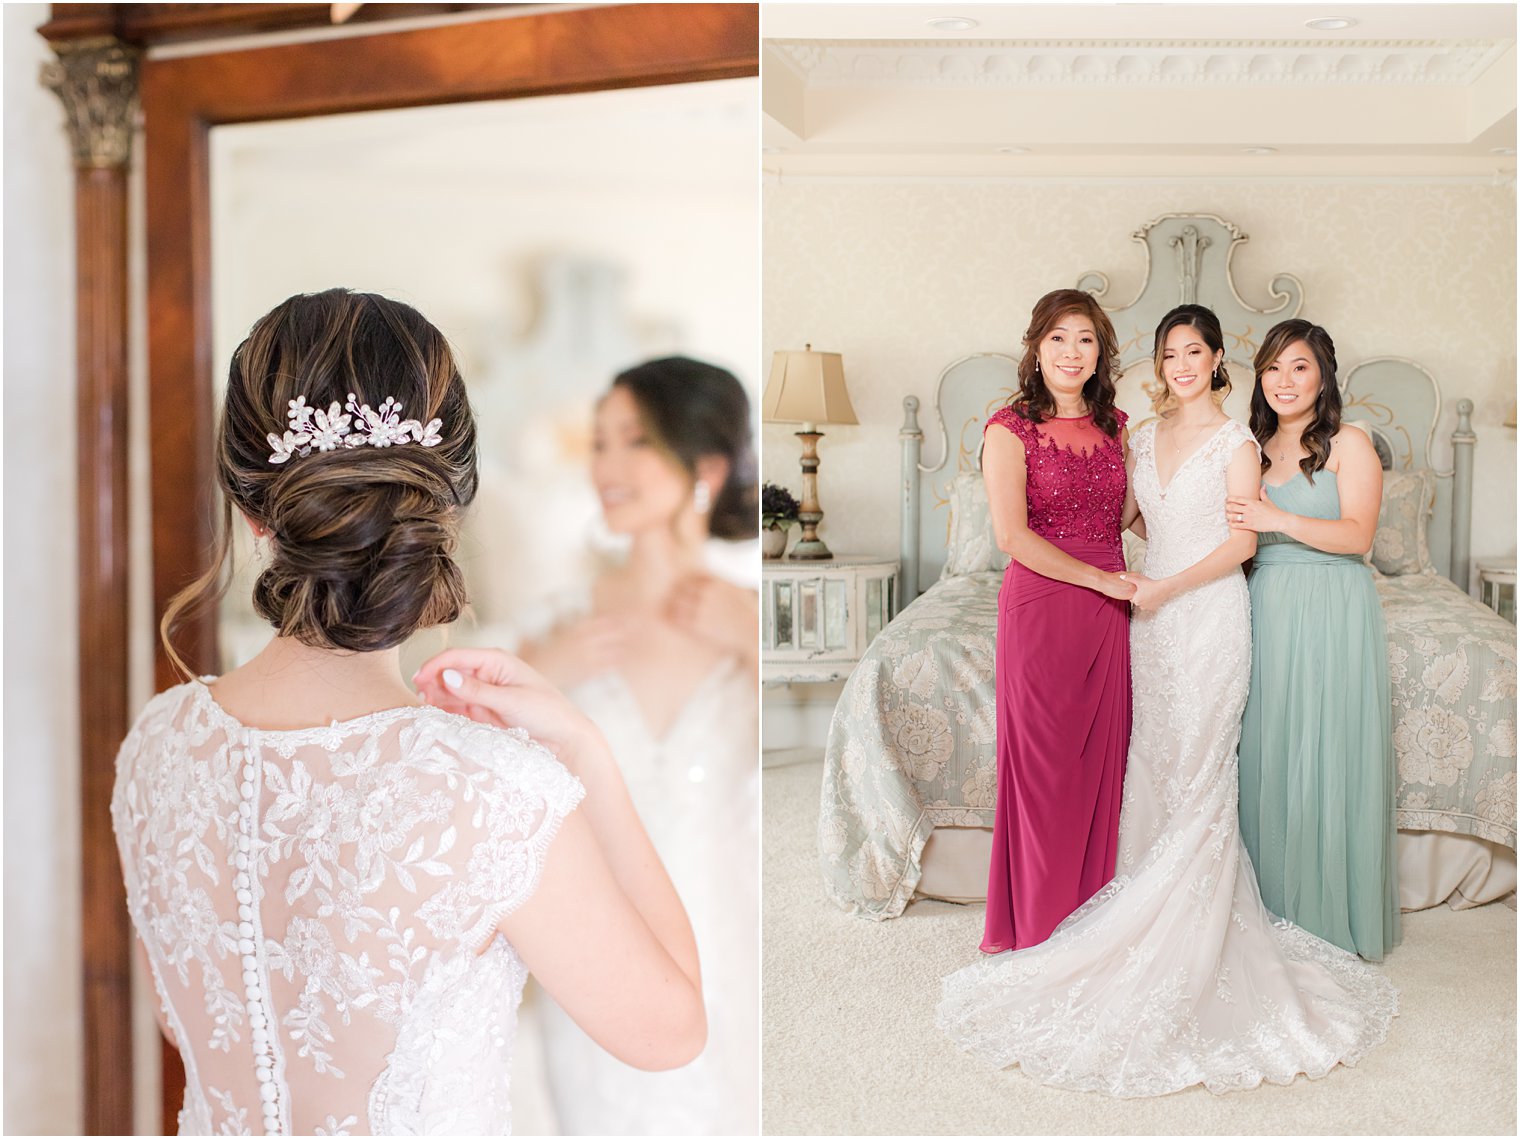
column 1111, row 63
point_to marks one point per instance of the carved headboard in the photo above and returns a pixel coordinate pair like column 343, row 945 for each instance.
column 1188, row 260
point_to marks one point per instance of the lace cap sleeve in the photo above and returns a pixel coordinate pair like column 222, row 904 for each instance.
column 1232, row 435
column 526, row 795
column 1008, row 418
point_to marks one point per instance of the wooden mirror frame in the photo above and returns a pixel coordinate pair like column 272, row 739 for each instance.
column 182, row 98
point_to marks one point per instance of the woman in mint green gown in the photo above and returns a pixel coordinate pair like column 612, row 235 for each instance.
column 1316, row 750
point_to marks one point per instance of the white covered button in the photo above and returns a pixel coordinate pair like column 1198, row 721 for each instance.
column 267, row 1092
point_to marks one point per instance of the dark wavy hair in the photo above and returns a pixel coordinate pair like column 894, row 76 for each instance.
column 691, row 411
column 361, row 537
column 1207, row 326
column 1327, row 406
column 1034, row 401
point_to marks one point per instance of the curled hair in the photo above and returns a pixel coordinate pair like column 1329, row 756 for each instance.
column 1206, row 324
column 1034, row 401
column 1327, row 405
column 361, row 538
column 692, row 411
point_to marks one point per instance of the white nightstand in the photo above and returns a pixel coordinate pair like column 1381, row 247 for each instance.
column 1494, row 585
column 820, row 616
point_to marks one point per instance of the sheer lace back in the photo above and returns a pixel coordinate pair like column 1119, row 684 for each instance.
column 313, row 904
column 1074, row 475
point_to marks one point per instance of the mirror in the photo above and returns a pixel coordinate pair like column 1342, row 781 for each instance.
column 554, row 241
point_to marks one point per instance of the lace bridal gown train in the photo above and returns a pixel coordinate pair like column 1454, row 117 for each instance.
column 1175, row 974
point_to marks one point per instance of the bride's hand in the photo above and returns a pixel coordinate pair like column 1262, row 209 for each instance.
column 718, row 611
column 493, row 687
column 585, row 649
column 1118, row 586
column 1150, row 593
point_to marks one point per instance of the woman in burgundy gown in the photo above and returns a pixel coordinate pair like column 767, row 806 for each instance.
column 1054, row 464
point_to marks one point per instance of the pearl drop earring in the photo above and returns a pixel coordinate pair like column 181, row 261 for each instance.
column 701, row 497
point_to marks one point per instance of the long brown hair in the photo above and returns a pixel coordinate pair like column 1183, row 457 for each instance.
column 1327, row 405
column 1034, row 401
column 361, row 538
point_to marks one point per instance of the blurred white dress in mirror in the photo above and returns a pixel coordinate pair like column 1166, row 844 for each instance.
column 659, row 646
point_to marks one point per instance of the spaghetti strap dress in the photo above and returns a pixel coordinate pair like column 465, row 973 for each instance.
column 1063, row 689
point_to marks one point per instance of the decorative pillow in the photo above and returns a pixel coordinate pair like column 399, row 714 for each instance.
column 1401, row 545
column 972, row 547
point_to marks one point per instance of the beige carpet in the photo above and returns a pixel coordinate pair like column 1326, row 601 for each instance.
column 851, row 1047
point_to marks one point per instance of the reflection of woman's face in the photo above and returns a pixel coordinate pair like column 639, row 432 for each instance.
column 640, row 486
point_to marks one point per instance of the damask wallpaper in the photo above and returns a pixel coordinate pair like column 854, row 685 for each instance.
column 904, row 277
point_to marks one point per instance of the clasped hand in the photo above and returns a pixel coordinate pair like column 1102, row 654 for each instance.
column 1150, row 593
column 1257, row 515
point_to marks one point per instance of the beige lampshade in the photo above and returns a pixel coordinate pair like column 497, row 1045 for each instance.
column 807, row 387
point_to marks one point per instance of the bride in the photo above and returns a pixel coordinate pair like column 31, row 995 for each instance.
column 1174, row 974
column 662, row 653
column 340, row 889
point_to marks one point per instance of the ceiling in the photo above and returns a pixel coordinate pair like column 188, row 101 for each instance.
column 1174, row 91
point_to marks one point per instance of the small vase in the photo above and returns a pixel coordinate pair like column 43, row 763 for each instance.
column 773, row 541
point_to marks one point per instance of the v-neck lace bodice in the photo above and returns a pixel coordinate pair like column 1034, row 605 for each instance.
column 697, row 791
column 1185, row 521
column 313, row 903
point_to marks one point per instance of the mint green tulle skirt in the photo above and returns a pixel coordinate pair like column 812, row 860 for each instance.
column 1317, row 773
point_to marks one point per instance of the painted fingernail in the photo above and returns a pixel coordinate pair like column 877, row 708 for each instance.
column 452, row 679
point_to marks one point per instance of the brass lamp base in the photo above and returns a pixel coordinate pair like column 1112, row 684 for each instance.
column 811, row 547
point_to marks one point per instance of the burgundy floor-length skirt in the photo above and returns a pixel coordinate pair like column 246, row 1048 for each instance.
column 1063, row 720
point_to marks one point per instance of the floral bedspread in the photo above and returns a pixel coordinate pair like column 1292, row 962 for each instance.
column 1452, row 667
column 912, row 744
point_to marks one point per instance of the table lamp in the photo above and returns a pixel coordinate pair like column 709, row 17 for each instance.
column 807, row 387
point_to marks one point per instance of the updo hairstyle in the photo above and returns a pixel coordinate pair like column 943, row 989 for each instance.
column 690, row 411
column 361, row 538
column 1206, row 324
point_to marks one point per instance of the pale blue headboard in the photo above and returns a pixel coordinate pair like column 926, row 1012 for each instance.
column 1188, row 260
column 1400, row 402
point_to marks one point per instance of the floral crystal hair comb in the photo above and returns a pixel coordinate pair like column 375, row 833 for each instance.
column 312, row 429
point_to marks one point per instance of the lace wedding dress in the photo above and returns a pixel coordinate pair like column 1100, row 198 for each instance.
column 314, row 905
column 1174, row 973
column 696, row 789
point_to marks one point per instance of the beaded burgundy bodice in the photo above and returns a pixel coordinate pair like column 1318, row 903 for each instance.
column 1074, row 476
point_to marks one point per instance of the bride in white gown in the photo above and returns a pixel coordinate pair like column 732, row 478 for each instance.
column 661, row 652
column 1175, row 974
column 340, row 890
